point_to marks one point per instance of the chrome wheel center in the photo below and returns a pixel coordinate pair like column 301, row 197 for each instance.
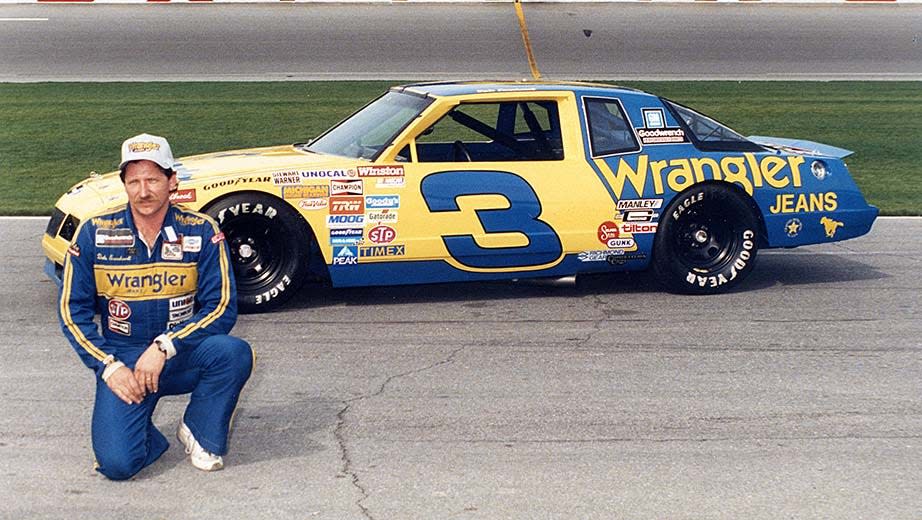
column 701, row 236
column 245, row 251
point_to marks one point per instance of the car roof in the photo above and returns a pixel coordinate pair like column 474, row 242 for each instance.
column 462, row 88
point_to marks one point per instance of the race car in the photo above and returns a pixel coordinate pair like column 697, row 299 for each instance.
column 465, row 181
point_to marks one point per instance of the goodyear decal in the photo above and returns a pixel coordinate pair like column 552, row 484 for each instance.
column 144, row 282
column 747, row 170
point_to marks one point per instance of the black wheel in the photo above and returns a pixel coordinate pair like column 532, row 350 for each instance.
column 269, row 245
column 707, row 240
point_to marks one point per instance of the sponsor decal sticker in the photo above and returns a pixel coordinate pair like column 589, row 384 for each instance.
column 382, row 251
column 595, row 256
column 289, row 178
column 312, row 204
column 380, row 171
column 181, row 196
column 348, row 187
column 329, row 174
column 120, row 237
column 192, row 244
column 382, row 235
column 346, row 256
column 793, row 227
column 384, row 216
column 804, row 202
column 119, row 309
column 171, row 251
column 620, row 243
column 345, row 236
column 352, row 205
column 639, row 215
column 661, row 135
column 629, row 204
column 653, row 118
column 182, row 301
column 632, row 176
column 310, row 191
column 345, row 221
column 607, row 231
column 120, row 327
column 181, row 315
column 391, row 182
column 637, row 228
column 831, row 226
column 237, row 181
column 382, row 201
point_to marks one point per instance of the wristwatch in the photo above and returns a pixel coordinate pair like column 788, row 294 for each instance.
column 161, row 347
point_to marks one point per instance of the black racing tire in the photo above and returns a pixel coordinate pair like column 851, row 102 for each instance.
column 269, row 244
column 707, row 240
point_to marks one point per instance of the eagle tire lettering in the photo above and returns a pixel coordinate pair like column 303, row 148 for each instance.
column 708, row 241
column 270, row 246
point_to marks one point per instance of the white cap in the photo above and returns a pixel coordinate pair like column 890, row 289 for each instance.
column 147, row 147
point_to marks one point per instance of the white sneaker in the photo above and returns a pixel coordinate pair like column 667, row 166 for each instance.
column 200, row 458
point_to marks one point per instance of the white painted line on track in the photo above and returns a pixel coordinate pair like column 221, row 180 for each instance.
column 23, row 19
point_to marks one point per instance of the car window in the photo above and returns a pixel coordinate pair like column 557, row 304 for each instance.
column 609, row 130
column 367, row 132
column 707, row 133
column 487, row 132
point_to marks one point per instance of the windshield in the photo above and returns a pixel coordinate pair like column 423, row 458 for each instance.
column 367, row 132
column 709, row 134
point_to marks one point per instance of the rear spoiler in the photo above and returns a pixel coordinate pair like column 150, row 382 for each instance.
column 800, row 146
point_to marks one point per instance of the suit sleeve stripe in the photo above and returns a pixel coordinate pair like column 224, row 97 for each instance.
column 69, row 321
column 222, row 304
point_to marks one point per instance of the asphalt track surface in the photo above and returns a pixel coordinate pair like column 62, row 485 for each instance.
column 798, row 397
column 451, row 41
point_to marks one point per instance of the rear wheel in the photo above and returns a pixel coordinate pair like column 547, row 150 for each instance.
column 707, row 240
column 270, row 247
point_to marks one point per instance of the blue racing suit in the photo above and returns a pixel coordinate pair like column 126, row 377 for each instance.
column 181, row 292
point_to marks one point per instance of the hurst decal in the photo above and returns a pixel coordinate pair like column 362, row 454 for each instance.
column 642, row 176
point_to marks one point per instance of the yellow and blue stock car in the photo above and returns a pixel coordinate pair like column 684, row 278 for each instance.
column 470, row 181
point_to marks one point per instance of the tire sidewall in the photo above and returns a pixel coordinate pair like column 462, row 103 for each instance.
column 292, row 250
column 742, row 230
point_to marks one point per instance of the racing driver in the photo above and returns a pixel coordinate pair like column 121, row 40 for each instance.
column 160, row 278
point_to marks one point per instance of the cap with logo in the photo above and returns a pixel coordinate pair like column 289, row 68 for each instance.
column 146, row 147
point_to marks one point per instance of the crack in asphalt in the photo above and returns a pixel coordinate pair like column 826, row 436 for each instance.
column 347, row 469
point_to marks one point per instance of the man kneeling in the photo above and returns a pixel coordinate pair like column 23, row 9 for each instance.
column 160, row 277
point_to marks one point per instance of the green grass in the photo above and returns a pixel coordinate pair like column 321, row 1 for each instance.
column 53, row 134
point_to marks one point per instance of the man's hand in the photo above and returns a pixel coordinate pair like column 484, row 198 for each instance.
column 124, row 386
column 147, row 369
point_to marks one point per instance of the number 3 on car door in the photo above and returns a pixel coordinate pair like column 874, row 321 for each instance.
column 441, row 192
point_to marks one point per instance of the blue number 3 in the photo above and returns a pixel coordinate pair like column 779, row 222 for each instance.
column 441, row 191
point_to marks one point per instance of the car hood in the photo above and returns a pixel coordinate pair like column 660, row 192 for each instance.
column 106, row 190
column 800, row 146
column 251, row 160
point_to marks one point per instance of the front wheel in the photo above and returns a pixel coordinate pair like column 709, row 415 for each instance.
column 707, row 241
column 269, row 247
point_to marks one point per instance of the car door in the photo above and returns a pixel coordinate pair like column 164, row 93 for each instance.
column 500, row 184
